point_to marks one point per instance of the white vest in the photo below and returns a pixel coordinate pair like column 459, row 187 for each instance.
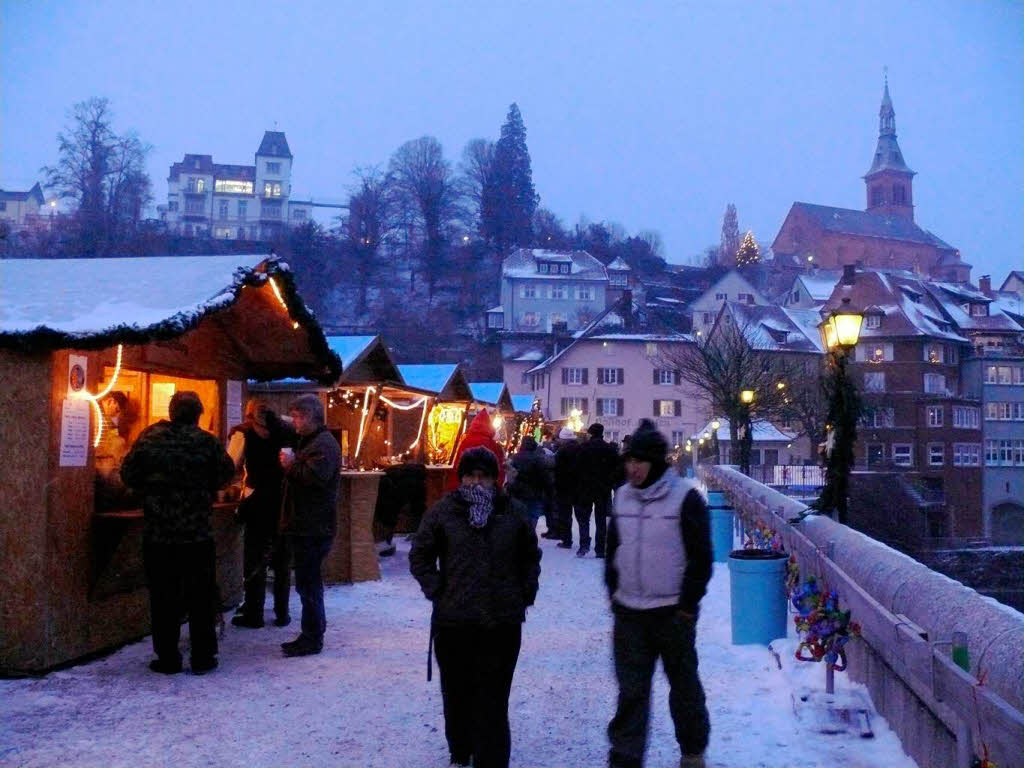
column 650, row 559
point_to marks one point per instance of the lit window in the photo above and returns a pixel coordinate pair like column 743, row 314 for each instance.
column 934, row 415
column 231, row 186
column 651, row 349
column 666, row 407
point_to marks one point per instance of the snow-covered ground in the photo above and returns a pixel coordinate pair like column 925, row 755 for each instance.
column 365, row 700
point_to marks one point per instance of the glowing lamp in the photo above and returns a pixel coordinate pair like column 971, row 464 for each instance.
column 747, row 396
column 842, row 327
column 497, row 421
column 716, row 424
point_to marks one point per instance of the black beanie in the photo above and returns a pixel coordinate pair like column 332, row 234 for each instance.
column 478, row 458
column 596, row 430
column 647, row 444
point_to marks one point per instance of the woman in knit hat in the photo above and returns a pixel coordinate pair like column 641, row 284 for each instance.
column 477, row 560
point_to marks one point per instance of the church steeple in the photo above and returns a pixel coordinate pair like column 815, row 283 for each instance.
column 889, row 181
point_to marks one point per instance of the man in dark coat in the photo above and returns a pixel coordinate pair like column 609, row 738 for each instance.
column 309, row 515
column 598, row 463
column 177, row 468
column 255, row 445
column 532, row 483
column 478, row 562
column 567, row 483
column 657, row 570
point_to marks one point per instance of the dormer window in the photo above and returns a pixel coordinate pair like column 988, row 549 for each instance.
column 872, row 321
column 543, row 267
column 979, row 310
column 563, row 269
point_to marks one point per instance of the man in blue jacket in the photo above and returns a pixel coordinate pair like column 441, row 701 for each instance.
column 657, row 568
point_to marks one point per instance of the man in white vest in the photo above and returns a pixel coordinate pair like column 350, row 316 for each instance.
column 657, row 568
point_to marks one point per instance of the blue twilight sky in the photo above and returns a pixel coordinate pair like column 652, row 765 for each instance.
column 651, row 114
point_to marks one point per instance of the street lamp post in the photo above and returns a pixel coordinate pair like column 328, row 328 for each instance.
column 745, row 426
column 840, row 332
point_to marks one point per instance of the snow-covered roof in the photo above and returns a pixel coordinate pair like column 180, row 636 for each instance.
column 498, row 308
column 778, row 329
column 530, row 356
column 951, row 297
column 349, row 348
column 522, row 403
column 487, row 391
column 619, row 265
column 764, row 432
column 522, row 263
column 430, row 377
column 820, row 283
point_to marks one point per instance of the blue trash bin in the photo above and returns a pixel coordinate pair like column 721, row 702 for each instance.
column 721, row 526
column 757, row 592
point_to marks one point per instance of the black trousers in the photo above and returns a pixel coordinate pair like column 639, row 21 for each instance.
column 308, row 553
column 182, row 579
column 601, row 504
column 477, row 666
column 262, row 547
column 563, row 513
column 639, row 639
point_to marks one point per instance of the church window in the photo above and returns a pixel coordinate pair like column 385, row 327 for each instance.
column 877, row 196
column 899, row 194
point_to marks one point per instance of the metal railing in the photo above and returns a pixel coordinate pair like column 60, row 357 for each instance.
column 788, row 475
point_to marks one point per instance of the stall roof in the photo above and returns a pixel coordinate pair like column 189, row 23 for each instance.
column 350, row 348
column 95, row 303
column 446, row 380
column 492, row 393
column 522, row 403
column 367, row 359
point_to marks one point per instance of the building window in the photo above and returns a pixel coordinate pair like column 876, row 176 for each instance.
column 678, row 438
column 570, row 404
column 1004, row 411
column 271, row 210
column 965, row 417
column 934, row 384
column 651, row 349
column 272, row 189
column 899, row 194
column 243, row 209
column 495, row 320
column 3, row 205
column 979, row 310
column 612, row 376
column 559, row 292
column 530, row 319
column 1004, row 374
column 875, row 454
column 966, row 454
column 232, row 187
column 222, row 209
column 171, row 206
column 584, row 293
column 299, row 214
column 747, row 297
column 668, row 408
column 195, row 207
column 273, row 167
column 618, row 279
column 610, row 406
column 721, row 296
column 874, row 382
column 528, row 291
column 543, row 267
column 197, row 185
column 574, row 376
column 563, row 269
column 877, row 196
column 934, row 413
column 223, row 233
column 874, row 353
column 933, row 353
column 664, row 377
column 903, row 454
column 872, row 321
column 936, row 454
column 879, row 418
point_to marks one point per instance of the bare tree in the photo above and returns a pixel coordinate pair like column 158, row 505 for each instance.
column 724, row 364
column 102, row 173
column 423, row 179
column 367, row 227
column 477, row 176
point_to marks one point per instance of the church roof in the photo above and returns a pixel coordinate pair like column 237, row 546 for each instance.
column 274, row 144
column 852, row 222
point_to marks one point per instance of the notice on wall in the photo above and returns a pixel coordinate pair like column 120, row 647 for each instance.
column 78, row 365
column 74, row 432
column 160, row 395
column 234, row 403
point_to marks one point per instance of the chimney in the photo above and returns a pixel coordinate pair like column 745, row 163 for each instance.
column 849, row 274
column 985, row 284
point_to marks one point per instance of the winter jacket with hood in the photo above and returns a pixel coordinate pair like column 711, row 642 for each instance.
column 659, row 546
column 480, row 433
column 476, row 576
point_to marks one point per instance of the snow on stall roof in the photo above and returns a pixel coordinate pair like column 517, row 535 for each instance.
column 486, row 391
column 430, row 377
column 522, row 403
column 88, row 297
column 349, row 348
column 764, row 432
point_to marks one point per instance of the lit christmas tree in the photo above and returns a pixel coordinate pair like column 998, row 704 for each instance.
column 749, row 252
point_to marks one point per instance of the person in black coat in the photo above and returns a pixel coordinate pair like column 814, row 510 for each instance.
column 597, row 463
column 255, row 445
column 567, row 483
column 532, row 479
column 477, row 560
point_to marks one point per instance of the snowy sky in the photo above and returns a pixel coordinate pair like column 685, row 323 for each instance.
column 651, row 114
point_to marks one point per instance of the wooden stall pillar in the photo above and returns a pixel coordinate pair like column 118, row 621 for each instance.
column 353, row 557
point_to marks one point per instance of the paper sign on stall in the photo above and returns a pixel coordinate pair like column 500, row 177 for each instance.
column 74, row 432
column 234, row 398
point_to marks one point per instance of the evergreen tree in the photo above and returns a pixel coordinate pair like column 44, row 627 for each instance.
column 730, row 243
column 748, row 253
column 509, row 200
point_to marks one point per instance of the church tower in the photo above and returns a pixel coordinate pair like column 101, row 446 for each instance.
column 889, row 181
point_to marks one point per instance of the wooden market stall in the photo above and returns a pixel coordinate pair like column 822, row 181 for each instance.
column 91, row 351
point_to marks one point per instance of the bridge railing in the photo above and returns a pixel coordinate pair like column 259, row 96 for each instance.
column 908, row 613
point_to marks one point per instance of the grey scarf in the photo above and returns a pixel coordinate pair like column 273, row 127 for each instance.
column 481, row 503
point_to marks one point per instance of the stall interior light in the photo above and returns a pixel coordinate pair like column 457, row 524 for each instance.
column 403, row 406
column 94, row 399
column 497, row 421
column 419, row 432
column 362, row 416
